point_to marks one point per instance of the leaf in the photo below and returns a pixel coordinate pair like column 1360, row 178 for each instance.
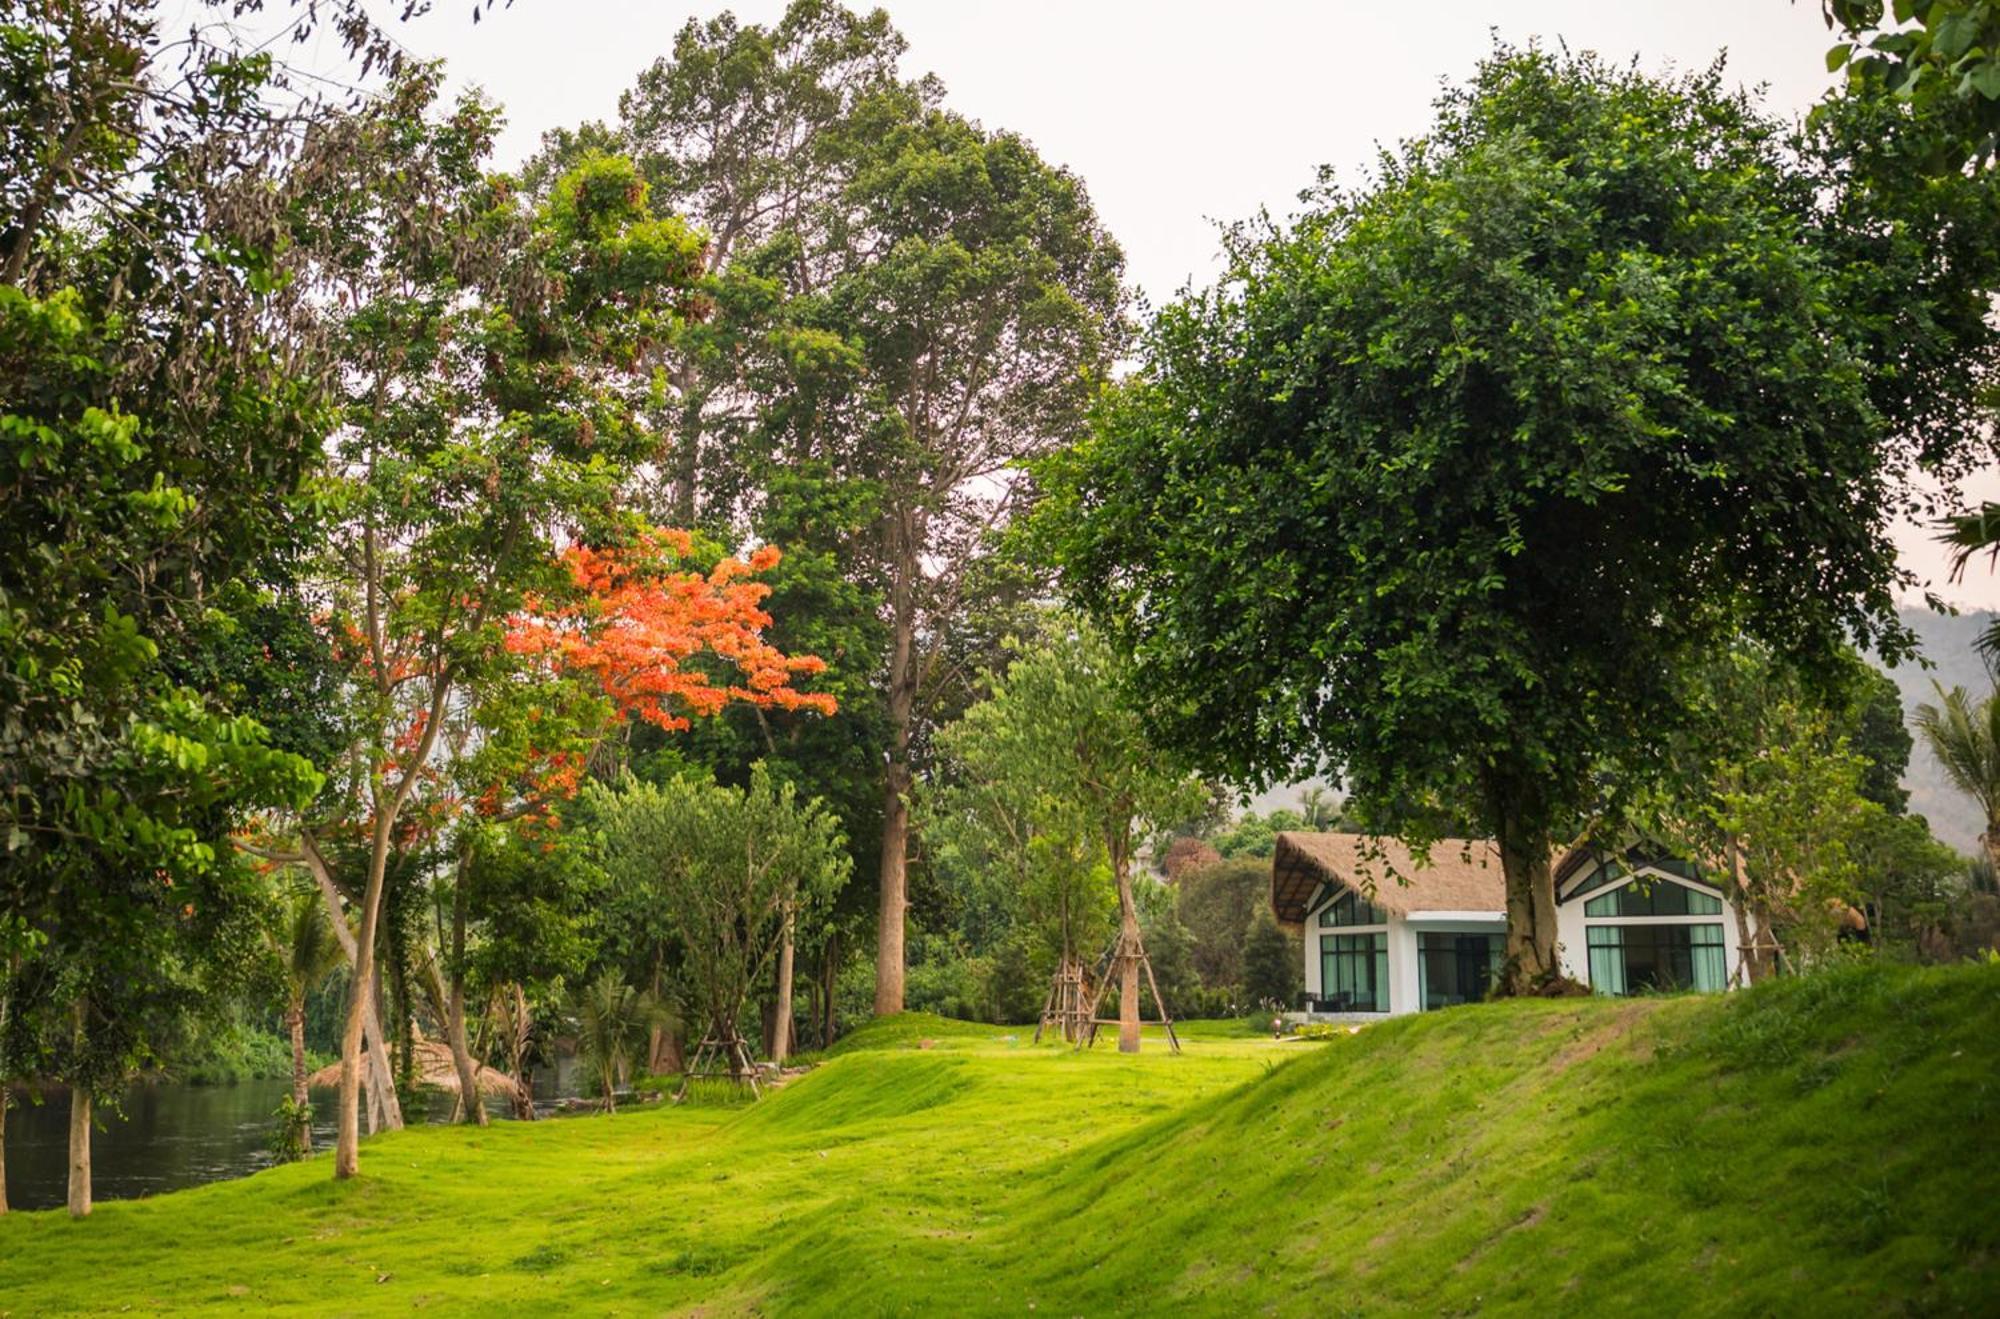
column 1837, row 57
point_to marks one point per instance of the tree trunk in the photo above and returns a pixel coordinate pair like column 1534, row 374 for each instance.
column 781, row 1021
column 295, row 1026
column 79, row 1152
column 829, row 968
column 383, row 1107
column 470, row 1100
column 895, row 901
column 517, row 1054
column 896, row 783
column 1129, row 944
column 3, row 1149
column 1531, row 906
column 347, row 1139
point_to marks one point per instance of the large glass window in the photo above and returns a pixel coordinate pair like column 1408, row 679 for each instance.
column 1457, row 968
column 1354, row 972
column 1625, row 959
column 1659, row 898
column 1350, row 908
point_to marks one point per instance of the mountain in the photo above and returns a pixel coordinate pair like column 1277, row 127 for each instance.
column 1950, row 644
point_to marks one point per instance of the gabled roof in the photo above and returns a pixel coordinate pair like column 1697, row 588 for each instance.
column 1462, row 874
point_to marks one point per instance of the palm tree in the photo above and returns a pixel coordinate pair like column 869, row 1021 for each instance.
column 308, row 953
column 612, row 1019
column 1965, row 737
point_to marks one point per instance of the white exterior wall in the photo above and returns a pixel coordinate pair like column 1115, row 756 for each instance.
column 1402, row 932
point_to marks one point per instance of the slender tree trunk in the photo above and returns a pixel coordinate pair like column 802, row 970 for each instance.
column 383, row 1108
column 471, row 1101
column 829, row 967
column 896, row 780
column 1129, row 944
column 656, row 1037
column 517, row 1054
column 4, row 1097
column 79, row 1152
column 1531, row 906
column 347, row 1140
column 781, row 1022
column 295, row 1026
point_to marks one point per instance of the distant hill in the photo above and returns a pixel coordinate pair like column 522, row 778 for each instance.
column 1951, row 647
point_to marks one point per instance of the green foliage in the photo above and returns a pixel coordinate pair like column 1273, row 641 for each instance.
column 1938, row 59
column 1216, row 904
column 730, row 868
column 291, row 1137
column 1964, row 735
column 1272, row 962
column 611, row 1020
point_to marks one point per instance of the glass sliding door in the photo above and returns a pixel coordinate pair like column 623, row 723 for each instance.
column 1354, row 972
column 1457, row 968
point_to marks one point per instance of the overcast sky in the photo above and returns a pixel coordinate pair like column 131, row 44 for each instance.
column 1177, row 114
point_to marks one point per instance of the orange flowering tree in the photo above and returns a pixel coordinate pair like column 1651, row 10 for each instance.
column 650, row 631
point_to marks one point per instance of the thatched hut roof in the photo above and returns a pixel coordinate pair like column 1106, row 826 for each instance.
column 434, row 1069
column 1461, row 874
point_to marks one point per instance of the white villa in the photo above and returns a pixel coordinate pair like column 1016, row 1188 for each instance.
column 1432, row 934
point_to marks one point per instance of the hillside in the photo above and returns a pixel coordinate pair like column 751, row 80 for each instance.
column 1829, row 1142
column 1950, row 646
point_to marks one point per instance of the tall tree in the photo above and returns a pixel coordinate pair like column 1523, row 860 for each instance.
column 488, row 417
column 985, row 316
column 1445, row 486
column 159, row 406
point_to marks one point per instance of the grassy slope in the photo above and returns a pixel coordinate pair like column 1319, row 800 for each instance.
column 1832, row 1142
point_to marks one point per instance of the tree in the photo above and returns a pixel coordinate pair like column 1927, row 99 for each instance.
column 1445, row 486
column 737, row 870
column 1217, row 903
column 611, row 1021
column 159, row 405
column 986, row 311
column 1058, row 739
column 307, row 955
column 1964, row 735
column 488, row 407
column 1271, row 962
column 1774, row 793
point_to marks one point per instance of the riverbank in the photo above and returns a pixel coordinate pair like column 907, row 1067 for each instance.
column 1827, row 1142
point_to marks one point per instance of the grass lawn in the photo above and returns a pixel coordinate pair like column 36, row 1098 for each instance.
column 1830, row 1144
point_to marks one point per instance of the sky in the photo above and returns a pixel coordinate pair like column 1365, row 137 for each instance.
column 1178, row 114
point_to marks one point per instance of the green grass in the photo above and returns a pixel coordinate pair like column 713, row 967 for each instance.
column 1830, row 1144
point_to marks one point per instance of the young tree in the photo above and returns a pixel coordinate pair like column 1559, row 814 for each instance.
column 308, row 953
column 1058, row 726
column 736, row 868
column 1271, row 962
column 1446, row 485
column 611, row 1022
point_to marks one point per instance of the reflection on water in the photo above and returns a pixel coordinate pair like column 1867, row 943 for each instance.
column 172, row 1136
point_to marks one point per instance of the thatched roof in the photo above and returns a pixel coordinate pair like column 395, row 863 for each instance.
column 1462, row 874
column 434, row 1069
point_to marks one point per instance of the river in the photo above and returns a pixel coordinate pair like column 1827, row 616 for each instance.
column 172, row 1135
